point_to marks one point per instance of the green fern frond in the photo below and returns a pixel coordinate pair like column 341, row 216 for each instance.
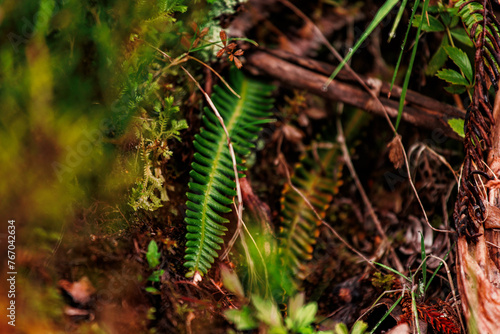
column 212, row 187
column 316, row 176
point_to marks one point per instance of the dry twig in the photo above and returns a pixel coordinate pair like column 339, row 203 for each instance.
column 366, row 200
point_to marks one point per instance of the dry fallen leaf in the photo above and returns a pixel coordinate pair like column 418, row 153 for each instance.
column 81, row 291
column 396, row 152
column 316, row 113
column 292, row 133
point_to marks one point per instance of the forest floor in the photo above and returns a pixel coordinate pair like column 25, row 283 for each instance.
column 102, row 267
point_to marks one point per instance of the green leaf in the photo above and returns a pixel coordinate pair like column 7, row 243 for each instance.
column 305, row 316
column 212, row 188
column 438, row 59
column 429, row 26
column 461, row 60
column 406, row 82
column 396, row 69
column 453, row 77
column 152, row 290
column 316, row 174
column 446, row 18
column 181, row 9
column 381, row 14
column 440, row 264
column 267, row 312
column 457, row 124
column 155, row 276
column 393, row 270
column 389, row 311
column 461, row 35
column 340, row 328
column 242, row 319
column 153, row 256
column 359, row 327
column 295, row 304
column 232, row 282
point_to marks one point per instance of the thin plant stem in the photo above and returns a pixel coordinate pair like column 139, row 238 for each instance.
column 366, row 201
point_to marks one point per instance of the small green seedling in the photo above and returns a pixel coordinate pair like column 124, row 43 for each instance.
column 153, row 256
column 358, row 328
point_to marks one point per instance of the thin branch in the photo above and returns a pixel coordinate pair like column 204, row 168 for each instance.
column 187, row 56
column 308, row 74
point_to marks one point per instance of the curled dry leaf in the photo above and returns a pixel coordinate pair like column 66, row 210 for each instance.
column 223, row 37
column 396, row 152
column 79, row 295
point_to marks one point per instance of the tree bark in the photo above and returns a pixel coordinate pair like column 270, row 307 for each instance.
column 479, row 262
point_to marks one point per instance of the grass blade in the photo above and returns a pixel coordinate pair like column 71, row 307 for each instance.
column 410, row 66
column 424, row 261
column 386, row 314
column 415, row 312
column 415, row 6
column 438, row 267
column 381, row 14
column 392, row 34
column 393, row 270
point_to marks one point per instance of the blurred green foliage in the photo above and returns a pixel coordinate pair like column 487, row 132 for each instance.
column 74, row 75
column 82, row 88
